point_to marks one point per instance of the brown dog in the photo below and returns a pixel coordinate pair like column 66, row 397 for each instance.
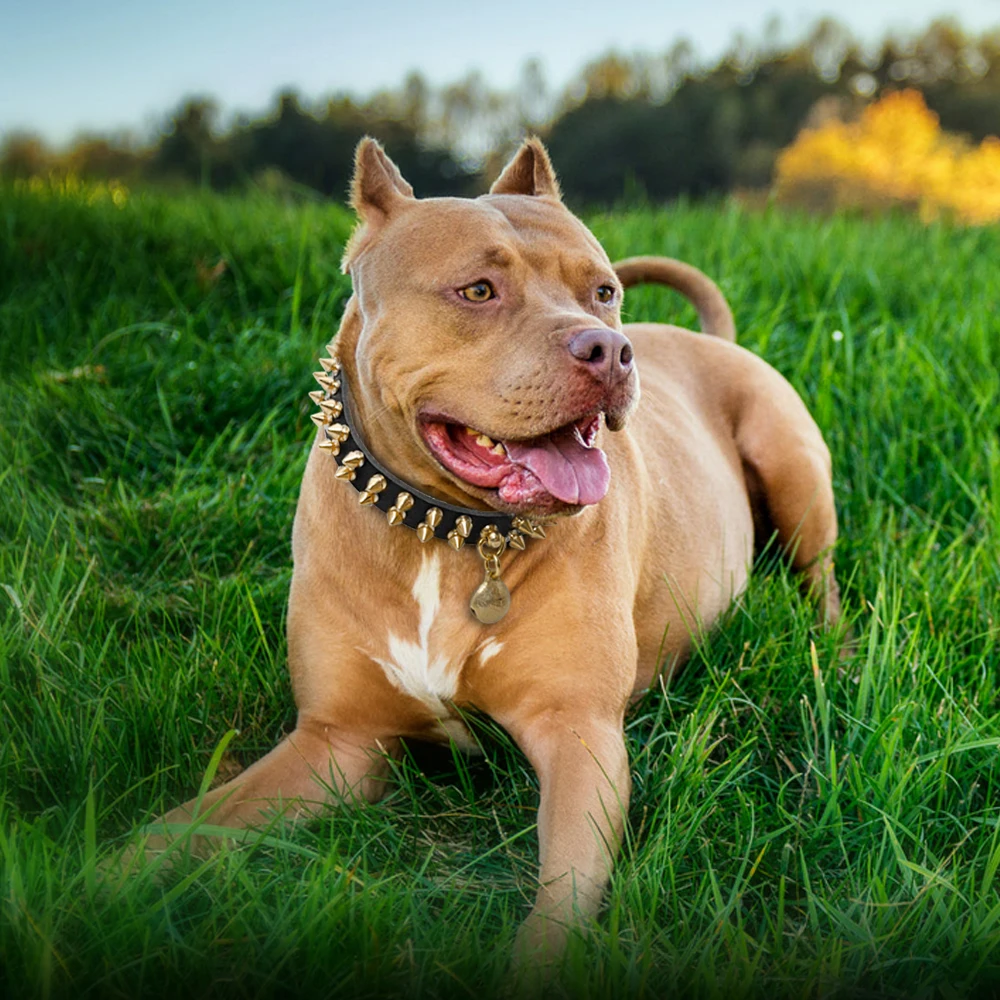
column 482, row 372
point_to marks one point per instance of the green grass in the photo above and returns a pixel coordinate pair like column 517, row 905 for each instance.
column 800, row 826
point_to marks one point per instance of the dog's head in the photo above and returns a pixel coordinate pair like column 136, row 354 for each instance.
column 485, row 348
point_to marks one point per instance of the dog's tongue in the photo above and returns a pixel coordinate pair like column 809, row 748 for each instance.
column 565, row 466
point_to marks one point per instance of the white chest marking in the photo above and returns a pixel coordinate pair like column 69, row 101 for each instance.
column 412, row 666
column 489, row 649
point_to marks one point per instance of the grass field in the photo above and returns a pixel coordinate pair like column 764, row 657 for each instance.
column 799, row 826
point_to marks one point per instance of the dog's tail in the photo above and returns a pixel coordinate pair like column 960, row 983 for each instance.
column 714, row 313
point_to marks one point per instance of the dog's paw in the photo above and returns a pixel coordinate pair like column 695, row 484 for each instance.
column 158, row 850
column 538, row 953
column 141, row 856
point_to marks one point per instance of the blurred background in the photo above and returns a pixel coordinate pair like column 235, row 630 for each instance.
column 861, row 104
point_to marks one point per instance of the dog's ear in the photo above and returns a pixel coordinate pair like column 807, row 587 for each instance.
column 378, row 186
column 529, row 172
column 377, row 191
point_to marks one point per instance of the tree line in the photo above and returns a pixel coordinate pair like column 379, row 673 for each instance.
column 658, row 125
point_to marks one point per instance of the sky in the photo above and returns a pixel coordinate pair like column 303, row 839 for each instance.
column 73, row 65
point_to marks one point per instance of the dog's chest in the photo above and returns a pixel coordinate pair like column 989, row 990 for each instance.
column 431, row 641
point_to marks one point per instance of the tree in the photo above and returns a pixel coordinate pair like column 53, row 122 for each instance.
column 186, row 150
column 23, row 155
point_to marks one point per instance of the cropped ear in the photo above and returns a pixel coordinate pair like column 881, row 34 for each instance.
column 378, row 186
column 529, row 172
column 377, row 191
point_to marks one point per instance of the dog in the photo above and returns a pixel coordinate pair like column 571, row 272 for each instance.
column 491, row 518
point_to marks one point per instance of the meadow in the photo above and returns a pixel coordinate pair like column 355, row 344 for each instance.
column 801, row 825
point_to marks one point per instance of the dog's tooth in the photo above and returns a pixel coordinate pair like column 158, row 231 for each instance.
column 483, row 441
column 498, row 449
column 472, row 432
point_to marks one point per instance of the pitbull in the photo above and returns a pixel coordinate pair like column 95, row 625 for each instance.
column 492, row 519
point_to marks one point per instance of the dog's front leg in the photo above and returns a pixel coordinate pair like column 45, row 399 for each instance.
column 314, row 766
column 583, row 772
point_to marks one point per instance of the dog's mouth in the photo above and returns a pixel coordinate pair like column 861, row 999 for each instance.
column 540, row 473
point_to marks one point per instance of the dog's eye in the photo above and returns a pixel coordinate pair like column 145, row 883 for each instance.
column 478, row 291
column 605, row 293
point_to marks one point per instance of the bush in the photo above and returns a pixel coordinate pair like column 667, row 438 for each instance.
column 895, row 154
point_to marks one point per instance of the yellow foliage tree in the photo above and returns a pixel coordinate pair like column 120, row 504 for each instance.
column 896, row 154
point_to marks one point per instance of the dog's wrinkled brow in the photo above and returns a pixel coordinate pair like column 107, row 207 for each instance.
column 496, row 256
column 577, row 268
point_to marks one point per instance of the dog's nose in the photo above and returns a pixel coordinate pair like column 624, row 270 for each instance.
column 606, row 352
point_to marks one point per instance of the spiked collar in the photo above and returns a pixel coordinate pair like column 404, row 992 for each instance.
column 404, row 505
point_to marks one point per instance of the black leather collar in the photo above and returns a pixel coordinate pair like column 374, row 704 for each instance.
column 402, row 503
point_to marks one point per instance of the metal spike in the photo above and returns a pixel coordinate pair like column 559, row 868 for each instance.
column 319, row 419
column 394, row 516
column 339, row 432
column 403, row 502
column 324, row 380
column 515, row 540
column 455, row 540
column 345, row 472
column 463, row 525
column 371, row 491
column 331, row 365
column 332, row 407
column 317, row 396
column 491, row 537
column 529, row 528
column 425, row 530
column 354, row 459
column 333, row 447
